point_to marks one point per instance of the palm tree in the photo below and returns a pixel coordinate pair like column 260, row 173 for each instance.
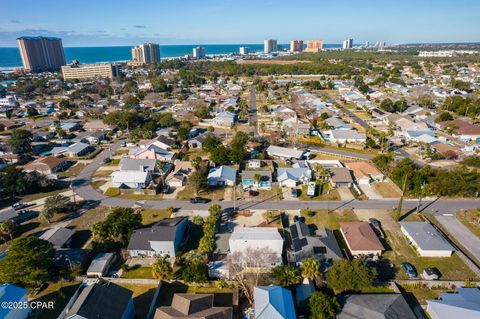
column 310, row 268
column 46, row 214
column 7, row 228
column 321, row 171
column 257, row 178
column 162, row 269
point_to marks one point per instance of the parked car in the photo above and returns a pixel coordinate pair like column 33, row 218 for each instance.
column 311, row 189
column 377, row 227
column 409, row 270
column 294, row 192
column 107, row 160
column 123, row 144
column 199, row 200
column 19, row 205
column 252, row 193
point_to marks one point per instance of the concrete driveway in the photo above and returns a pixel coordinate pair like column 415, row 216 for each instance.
column 370, row 192
column 461, row 233
column 345, row 193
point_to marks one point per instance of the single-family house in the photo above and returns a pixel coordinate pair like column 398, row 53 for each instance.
column 361, row 239
column 426, row 239
column 164, row 142
column 365, row 172
column 163, row 239
column 58, row 236
column 221, row 176
column 369, row 306
column 47, row 165
column 446, row 150
column 96, row 137
column 340, row 177
column 273, row 302
column 284, row 153
column 101, row 300
column 224, row 119
column 283, row 113
column 337, row 124
column 199, row 306
column 267, row 239
column 14, row 295
column 97, row 125
column 257, row 179
column 197, row 141
column 101, row 264
column 74, row 150
column 462, row 129
column 131, row 179
column 152, row 151
column 178, row 178
column 293, row 176
column 465, row 304
column 346, row 136
column 302, row 244
column 143, row 165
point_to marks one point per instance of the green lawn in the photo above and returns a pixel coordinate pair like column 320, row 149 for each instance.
column 142, row 298
column 120, row 152
column 113, row 162
column 169, row 289
column 73, row 170
column 330, row 220
column 58, row 292
column 140, row 272
column 150, row 216
column 213, row 194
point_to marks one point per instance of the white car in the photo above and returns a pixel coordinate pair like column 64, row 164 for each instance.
column 311, row 189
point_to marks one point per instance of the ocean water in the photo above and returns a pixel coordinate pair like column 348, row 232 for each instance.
column 10, row 57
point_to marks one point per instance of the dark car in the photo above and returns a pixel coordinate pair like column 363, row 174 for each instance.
column 252, row 193
column 375, row 222
column 199, row 200
column 294, row 192
column 107, row 160
column 409, row 270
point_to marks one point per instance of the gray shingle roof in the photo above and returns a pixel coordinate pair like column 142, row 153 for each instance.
column 376, row 306
column 164, row 230
column 426, row 236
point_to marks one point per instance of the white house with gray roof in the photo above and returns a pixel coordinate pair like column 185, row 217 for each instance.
column 426, row 239
column 293, row 176
column 139, row 164
column 283, row 152
column 163, row 239
column 464, row 304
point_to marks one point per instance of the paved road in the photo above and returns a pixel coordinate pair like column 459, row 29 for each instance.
column 461, row 233
column 87, row 192
column 253, row 109
column 400, row 153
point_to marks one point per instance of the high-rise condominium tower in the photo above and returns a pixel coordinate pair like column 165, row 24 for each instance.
column 348, row 43
column 270, row 46
column 296, row 46
column 41, row 53
column 314, row 46
column 244, row 50
column 199, row 53
column 146, row 53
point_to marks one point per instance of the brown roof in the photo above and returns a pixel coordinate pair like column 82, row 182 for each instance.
column 193, row 306
column 360, row 236
column 362, row 168
column 46, row 162
column 463, row 127
column 447, row 150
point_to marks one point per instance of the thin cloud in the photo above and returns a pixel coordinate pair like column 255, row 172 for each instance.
column 15, row 21
column 139, row 26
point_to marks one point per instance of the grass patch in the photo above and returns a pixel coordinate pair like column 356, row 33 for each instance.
column 150, row 216
column 73, row 170
column 60, row 293
column 386, row 190
column 103, row 173
column 222, row 298
column 331, row 220
column 112, row 191
column 113, row 162
column 120, row 152
column 140, row 272
column 97, row 184
column 471, row 220
column 213, row 194
column 141, row 196
column 142, row 298
column 422, row 293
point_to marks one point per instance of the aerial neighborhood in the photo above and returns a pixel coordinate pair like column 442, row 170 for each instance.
column 321, row 184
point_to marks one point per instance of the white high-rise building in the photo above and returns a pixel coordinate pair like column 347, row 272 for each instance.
column 199, row 52
column 270, row 46
column 244, row 50
column 367, row 44
column 348, row 44
column 380, row 45
column 146, row 54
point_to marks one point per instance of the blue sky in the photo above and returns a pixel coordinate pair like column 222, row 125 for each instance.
column 120, row 22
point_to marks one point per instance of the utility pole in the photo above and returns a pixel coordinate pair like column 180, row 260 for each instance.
column 72, row 186
column 235, row 192
column 420, row 197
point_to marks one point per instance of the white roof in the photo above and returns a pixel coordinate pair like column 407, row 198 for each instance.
column 348, row 134
column 255, row 233
column 426, row 237
column 224, row 172
column 284, row 152
column 465, row 304
column 129, row 177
